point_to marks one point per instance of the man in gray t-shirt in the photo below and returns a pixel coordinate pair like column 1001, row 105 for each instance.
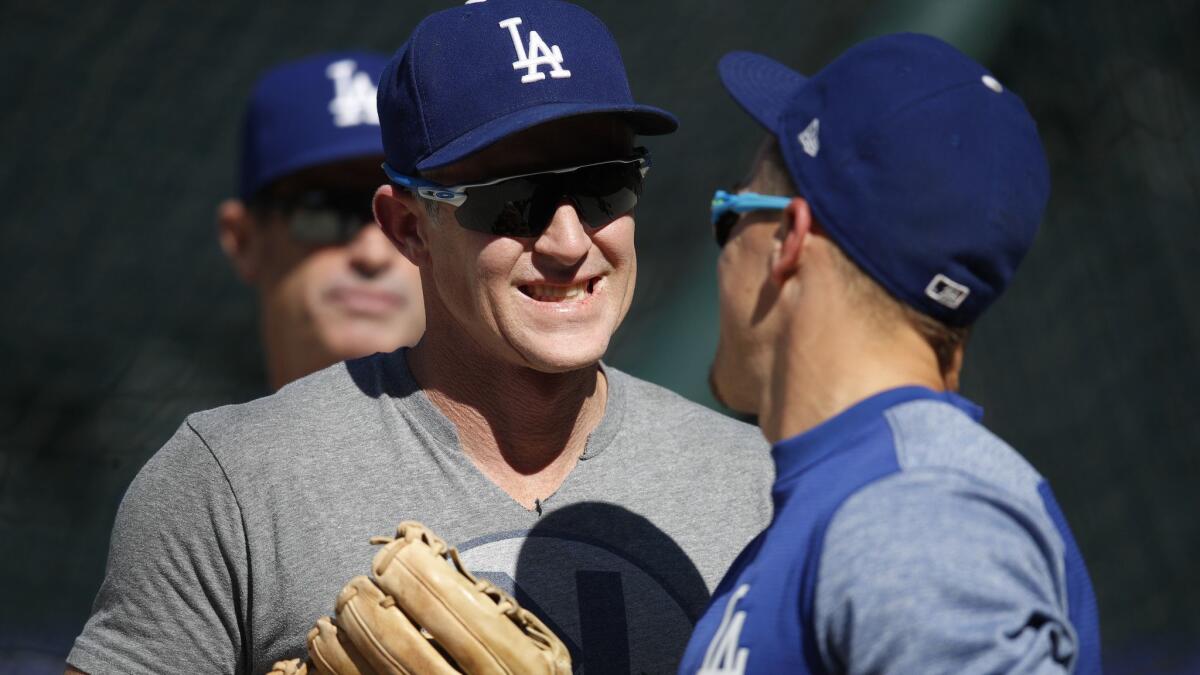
column 606, row 505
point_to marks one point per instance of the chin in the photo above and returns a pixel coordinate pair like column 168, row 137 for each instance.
column 557, row 362
column 556, row 344
column 562, row 355
column 352, row 344
column 732, row 385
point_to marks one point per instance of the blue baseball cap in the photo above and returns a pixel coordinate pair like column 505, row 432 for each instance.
column 318, row 110
column 922, row 167
column 471, row 75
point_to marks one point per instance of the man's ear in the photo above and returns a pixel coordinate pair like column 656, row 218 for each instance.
column 398, row 213
column 794, row 228
column 241, row 239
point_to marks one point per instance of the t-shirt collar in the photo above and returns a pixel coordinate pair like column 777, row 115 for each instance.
column 409, row 395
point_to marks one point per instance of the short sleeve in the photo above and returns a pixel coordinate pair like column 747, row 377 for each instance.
column 932, row 571
column 174, row 592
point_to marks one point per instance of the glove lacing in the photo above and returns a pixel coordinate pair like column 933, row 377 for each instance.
column 527, row 621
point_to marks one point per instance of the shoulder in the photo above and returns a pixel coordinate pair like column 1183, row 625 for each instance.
column 315, row 393
column 177, row 555
column 684, row 449
column 909, row 558
column 649, row 405
column 329, row 402
column 183, row 470
column 929, row 518
column 936, row 435
column 961, row 495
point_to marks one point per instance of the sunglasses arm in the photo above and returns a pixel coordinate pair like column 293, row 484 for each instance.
column 424, row 188
column 723, row 202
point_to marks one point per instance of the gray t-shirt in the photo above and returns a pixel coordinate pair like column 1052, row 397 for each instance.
column 237, row 535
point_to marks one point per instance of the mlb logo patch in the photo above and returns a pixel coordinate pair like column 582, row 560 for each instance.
column 946, row 291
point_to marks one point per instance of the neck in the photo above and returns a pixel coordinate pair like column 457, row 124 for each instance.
column 288, row 355
column 827, row 362
column 522, row 428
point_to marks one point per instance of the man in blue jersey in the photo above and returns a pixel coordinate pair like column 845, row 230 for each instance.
column 896, row 193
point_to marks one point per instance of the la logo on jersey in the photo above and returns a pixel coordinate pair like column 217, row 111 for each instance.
column 539, row 54
column 353, row 95
column 724, row 657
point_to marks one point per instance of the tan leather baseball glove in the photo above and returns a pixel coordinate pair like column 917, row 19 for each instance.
column 423, row 612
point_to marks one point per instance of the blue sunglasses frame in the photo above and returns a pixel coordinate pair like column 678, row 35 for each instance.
column 727, row 206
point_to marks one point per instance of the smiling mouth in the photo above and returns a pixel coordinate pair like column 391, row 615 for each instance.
column 360, row 300
column 561, row 292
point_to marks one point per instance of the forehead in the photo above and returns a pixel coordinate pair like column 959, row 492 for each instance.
column 553, row 145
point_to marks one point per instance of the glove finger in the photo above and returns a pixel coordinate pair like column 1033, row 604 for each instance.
column 289, row 667
column 471, row 627
column 555, row 651
column 383, row 635
column 332, row 654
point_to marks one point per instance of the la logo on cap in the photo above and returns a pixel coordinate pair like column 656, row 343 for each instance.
column 353, row 95
column 539, row 54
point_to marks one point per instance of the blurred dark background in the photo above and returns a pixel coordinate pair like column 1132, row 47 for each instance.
column 119, row 124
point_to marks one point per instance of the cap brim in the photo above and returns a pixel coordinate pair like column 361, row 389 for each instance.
column 644, row 120
column 330, row 153
column 761, row 85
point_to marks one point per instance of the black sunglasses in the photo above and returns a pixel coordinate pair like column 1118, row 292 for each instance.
column 323, row 216
column 522, row 206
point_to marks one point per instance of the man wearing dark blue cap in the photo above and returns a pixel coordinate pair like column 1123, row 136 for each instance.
column 330, row 285
column 896, row 194
column 607, row 506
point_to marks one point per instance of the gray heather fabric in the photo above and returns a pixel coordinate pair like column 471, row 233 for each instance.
column 951, row 565
column 239, row 533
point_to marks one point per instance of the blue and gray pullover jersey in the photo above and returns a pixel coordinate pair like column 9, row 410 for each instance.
column 906, row 539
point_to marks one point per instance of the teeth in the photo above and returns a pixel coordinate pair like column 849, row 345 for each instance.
column 556, row 293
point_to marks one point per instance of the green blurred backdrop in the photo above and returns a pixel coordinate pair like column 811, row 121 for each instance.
column 119, row 124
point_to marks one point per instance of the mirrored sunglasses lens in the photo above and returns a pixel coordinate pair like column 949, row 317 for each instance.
column 602, row 194
column 315, row 227
column 326, row 227
column 523, row 207
column 504, row 209
column 320, row 217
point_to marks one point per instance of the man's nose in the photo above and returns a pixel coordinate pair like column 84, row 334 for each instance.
column 371, row 254
column 566, row 239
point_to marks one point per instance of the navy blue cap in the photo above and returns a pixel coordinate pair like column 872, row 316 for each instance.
column 310, row 112
column 471, row 75
column 925, row 170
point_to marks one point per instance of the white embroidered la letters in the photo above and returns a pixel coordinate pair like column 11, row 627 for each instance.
column 723, row 656
column 539, row 54
column 354, row 95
